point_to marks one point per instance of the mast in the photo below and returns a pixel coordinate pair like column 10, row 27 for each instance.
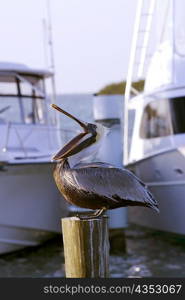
column 50, row 45
column 49, row 52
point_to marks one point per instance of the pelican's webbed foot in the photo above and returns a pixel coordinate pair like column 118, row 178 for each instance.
column 97, row 214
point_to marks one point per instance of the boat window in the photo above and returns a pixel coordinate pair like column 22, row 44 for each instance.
column 9, row 110
column 156, row 120
column 177, row 109
column 163, row 117
column 39, row 111
column 22, row 101
column 8, row 88
column 33, row 111
column 23, row 110
column 33, row 106
column 29, row 117
column 26, row 89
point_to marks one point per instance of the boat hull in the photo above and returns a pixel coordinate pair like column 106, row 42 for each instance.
column 31, row 206
column 164, row 174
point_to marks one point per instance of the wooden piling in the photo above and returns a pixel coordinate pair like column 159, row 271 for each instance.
column 86, row 247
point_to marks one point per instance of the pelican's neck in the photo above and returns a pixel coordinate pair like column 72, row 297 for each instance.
column 89, row 153
column 64, row 164
column 86, row 155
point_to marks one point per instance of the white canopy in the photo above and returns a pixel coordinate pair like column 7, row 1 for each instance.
column 23, row 69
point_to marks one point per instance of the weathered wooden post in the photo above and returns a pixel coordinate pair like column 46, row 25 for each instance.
column 86, row 247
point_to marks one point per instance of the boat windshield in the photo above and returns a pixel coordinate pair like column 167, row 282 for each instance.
column 163, row 117
column 21, row 99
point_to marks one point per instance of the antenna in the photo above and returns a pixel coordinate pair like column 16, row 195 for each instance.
column 50, row 36
column 48, row 44
column 45, row 42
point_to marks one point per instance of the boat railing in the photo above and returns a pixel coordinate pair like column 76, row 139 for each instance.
column 63, row 135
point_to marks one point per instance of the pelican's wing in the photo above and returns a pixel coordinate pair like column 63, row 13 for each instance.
column 93, row 165
column 117, row 184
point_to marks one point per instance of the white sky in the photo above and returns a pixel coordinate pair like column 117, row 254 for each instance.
column 91, row 39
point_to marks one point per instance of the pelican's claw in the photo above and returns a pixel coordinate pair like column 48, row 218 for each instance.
column 97, row 214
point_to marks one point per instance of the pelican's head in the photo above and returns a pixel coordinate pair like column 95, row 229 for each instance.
column 91, row 135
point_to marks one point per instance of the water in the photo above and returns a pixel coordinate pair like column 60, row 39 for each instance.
column 149, row 254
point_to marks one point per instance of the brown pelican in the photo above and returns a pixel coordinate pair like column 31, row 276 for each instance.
column 97, row 186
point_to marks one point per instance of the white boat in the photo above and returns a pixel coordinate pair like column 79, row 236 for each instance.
column 156, row 152
column 30, row 204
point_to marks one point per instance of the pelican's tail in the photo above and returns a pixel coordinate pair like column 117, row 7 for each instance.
column 152, row 203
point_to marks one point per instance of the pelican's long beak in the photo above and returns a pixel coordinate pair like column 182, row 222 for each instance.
column 77, row 143
column 84, row 125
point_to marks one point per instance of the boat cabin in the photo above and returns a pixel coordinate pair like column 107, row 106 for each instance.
column 159, row 123
column 26, row 118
